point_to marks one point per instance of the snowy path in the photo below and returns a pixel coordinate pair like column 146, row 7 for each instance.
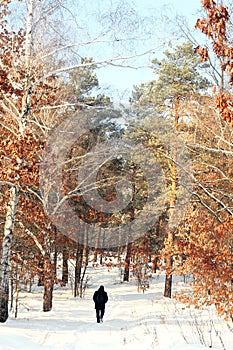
column 132, row 320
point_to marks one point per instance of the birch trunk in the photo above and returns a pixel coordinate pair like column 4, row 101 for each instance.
column 13, row 200
column 6, row 252
column 26, row 100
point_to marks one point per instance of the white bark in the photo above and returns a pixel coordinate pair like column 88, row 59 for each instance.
column 14, row 190
column 6, row 252
column 28, row 57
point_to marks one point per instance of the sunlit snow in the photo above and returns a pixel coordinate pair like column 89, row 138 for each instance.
column 132, row 320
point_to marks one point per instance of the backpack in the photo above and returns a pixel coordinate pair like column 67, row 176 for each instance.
column 100, row 299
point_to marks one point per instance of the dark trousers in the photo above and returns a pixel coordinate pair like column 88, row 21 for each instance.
column 99, row 314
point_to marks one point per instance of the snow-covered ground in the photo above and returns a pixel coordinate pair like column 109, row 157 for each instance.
column 132, row 320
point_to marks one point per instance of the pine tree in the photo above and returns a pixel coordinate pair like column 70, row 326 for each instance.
column 177, row 79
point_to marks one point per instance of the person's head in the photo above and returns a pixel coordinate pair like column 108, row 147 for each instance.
column 101, row 288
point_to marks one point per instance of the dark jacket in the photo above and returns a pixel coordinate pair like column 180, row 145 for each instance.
column 100, row 298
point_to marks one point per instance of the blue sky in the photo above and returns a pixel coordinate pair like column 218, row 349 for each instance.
column 88, row 19
column 122, row 80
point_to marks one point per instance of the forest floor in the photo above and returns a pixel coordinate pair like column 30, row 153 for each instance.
column 132, row 320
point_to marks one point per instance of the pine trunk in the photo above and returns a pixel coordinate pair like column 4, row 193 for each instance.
column 174, row 177
column 6, row 252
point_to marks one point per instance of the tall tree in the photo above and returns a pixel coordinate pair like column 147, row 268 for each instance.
column 178, row 79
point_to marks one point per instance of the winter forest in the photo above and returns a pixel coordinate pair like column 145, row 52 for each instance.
column 132, row 191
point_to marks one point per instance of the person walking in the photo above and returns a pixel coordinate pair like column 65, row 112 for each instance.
column 100, row 298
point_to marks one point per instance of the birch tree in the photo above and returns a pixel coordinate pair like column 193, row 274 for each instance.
column 13, row 186
column 20, row 146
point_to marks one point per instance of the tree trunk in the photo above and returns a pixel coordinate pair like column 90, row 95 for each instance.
column 17, row 290
column 96, row 246
column 48, row 297
column 177, row 105
column 48, row 284
column 168, row 281
column 127, row 263
column 155, row 265
column 12, row 293
column 78, row 269
column 26, row 99
column 55, row 253
column 85, row 248
column 120, row 248
column 101, row 257
column 84, row 263
column 41, row 272
column 174, row 177
column 82, row 287
column 6, row 252
column 65, row 269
